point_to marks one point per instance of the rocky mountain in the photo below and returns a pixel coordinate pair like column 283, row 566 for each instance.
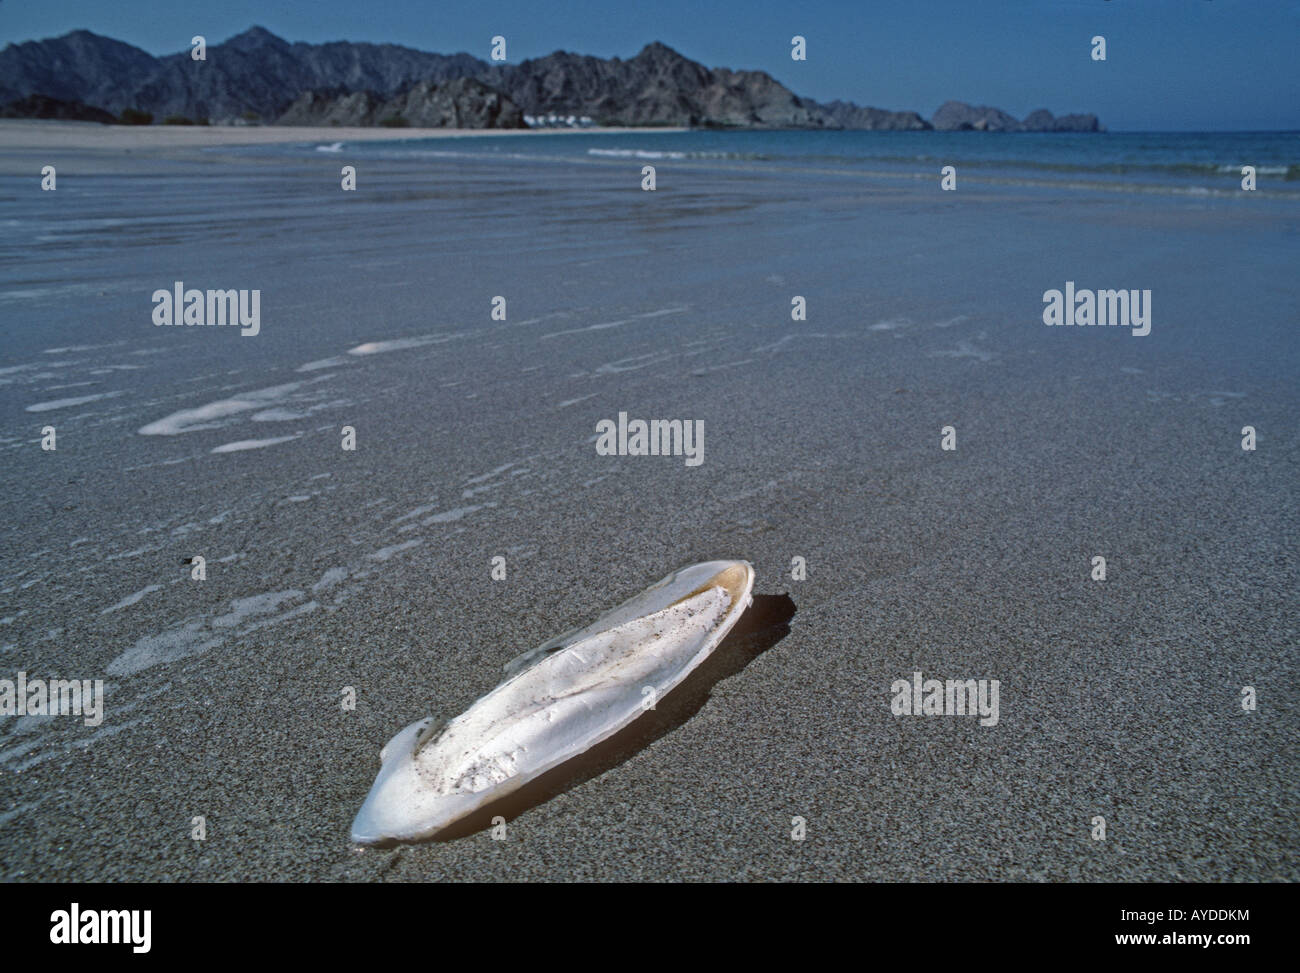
column 256, row 76
column 956, row 116
column 657, row 87
column 79, row 66
column 1042, row 121
column 459, row 103
column 845, row 114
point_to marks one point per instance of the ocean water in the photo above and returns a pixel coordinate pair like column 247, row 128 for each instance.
column 1207, row 161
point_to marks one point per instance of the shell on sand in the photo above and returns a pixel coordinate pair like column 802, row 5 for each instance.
column 556, row 702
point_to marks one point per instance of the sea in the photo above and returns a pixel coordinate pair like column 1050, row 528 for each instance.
column 1195, row 162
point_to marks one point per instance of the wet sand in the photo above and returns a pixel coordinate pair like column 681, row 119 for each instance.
column 370, row 568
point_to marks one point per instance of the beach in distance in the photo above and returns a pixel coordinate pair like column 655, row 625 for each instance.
column 921, row 466
column 48, row 134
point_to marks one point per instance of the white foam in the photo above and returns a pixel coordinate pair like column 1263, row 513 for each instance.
column 396, row 344
column 623, row 364
column 9, row 815
column 700, row 372
column 136, row 553
column 66, row 403
column 18, row 750
column 636, row 154
column 384, row 553
column 487, row 476
column 205, row 416
column 177, row 643
column 1220, row 398
column 306, row 609
column 242, row 609
column 475, row 491
column 590, row 327
column 131, row 599
column 166, row 462
column 243, row 444
column 457, row 513
column 965, row 349
column 417, row 512
column 113, row 729
column 614, row 324
column 313, row 366
column 64, row 351
column 330, row 578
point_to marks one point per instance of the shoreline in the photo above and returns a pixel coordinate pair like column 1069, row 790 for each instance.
column 107, row 149
column 25, row 133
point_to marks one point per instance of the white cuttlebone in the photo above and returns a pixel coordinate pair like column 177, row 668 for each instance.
column 557, row 701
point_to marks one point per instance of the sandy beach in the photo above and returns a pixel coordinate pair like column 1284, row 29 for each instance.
column 369, row 569
column 34, row 134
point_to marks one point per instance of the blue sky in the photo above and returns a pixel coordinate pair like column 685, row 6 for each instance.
column 1171, row 64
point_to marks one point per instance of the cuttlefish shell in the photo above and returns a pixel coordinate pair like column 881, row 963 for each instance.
column 557, row 701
